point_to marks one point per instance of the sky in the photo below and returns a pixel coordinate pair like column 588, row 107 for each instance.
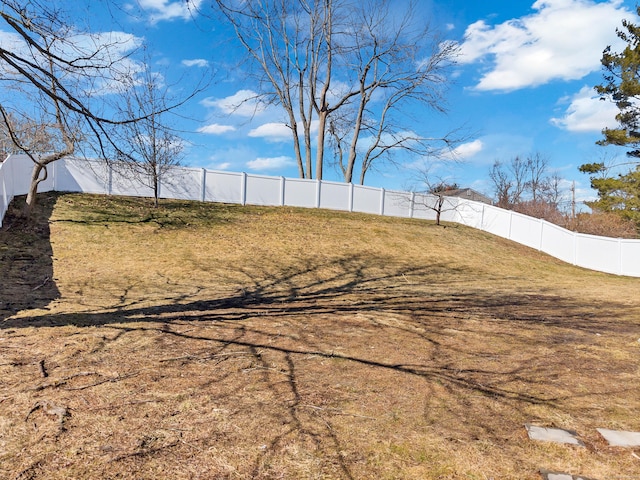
column 523, row 84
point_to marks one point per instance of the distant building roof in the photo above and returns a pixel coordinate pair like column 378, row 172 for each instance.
column 469, row 194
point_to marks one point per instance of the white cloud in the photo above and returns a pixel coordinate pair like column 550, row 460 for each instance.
column 216, row 129
column 220, row 166
column 587, row 113
column 196, row 62
column 232, row 157
column 244, row 103
column 500, row 146
column 169, row 10
column 276, row 132
column 109, row 53
column 466, row 150
column 270, row 163
column 563, row 39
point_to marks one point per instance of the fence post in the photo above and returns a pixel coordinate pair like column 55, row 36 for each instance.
column 243, row 188
column 540, row 243
column 456, row 204
column 318, row 188
column 8, row 165
column 510, row 223
column 382, row 191
column 282, row 187
column 351, row 187
column 203, row 185
column 54, row 170
column 413, row 200
column 620, row 256
column 110, row 180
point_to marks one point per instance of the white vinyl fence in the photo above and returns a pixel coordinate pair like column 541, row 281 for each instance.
column 610, row 255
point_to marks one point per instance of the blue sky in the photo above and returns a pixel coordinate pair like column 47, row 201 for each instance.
column 523, row 84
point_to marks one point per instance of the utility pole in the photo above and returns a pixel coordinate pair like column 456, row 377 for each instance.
column 573, row 200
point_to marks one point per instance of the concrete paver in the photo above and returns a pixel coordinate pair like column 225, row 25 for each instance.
column 561, row 476
column 557, row 435
column 557, row 476
column 620, row 438
column 616, row 438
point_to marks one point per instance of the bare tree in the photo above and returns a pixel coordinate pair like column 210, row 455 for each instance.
column 536, row 167
column 502, row 183
column 57, row 78
column 349, row 68
column 525, row 185
column 26, row 131
column 286, row 40
column 551, row 190
column 149, row 147
column 431, row 193
column 512, row 180
column 394, row 65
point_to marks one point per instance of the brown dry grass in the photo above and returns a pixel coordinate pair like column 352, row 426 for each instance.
column 212, row 341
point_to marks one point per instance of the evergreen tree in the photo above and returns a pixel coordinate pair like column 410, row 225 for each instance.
column 620, row 193
column 622, row 86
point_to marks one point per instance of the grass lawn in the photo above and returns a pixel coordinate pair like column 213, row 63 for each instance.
column 209, row 341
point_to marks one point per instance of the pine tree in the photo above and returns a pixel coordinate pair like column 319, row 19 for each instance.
column 620, row 193
column 622, row 86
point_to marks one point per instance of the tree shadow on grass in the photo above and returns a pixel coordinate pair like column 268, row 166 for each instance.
column 330, row 314
column 349, row 287
column 26, row 263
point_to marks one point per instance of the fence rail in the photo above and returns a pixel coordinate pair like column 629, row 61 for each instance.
column 609, row 255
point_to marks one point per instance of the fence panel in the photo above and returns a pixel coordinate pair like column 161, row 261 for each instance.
column 124, row 181
column 21, row 167
column 398, row 204
column 448, row 211
column 496, row 221
column 630, row 258
column 80, row 175
column 263, row 190
column 423, row 206
column 469, row 213
column 224, row 187
column 558, row 242
column 299, row 192
column 598, row 253
column 6, row 186
column 526, row 230
column 182, row 184
column 367, row 199
column 335, row 196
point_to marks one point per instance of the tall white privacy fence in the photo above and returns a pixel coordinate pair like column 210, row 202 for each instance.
column 610, row 255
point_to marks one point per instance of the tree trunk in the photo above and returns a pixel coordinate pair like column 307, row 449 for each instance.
column 322, row 126
column 33, row 187
column 307, row 150
column 296, row 145
column 353, row 149
column 155, row 192
column 439, row 209
column 363, row 172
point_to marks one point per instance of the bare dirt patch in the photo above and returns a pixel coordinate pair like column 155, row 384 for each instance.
column 215, row 341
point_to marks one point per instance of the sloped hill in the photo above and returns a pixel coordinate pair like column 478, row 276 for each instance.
column 218, row 341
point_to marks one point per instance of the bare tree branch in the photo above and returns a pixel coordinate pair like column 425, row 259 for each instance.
column 350, row 70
